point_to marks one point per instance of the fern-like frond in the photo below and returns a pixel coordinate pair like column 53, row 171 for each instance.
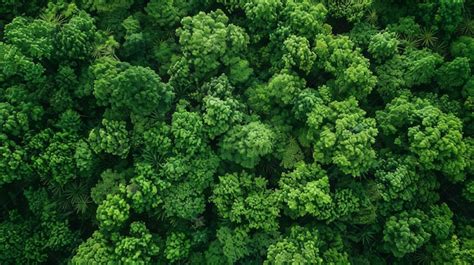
column 441, row 48
column 76, row 195
column 55, row 19
column 153, row 156
column 409, row 42
column 427, row 37
column 466, row 27
column 372, row 16
column 422, row 257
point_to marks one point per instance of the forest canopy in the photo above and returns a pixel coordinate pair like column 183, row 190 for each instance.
column 237, row 132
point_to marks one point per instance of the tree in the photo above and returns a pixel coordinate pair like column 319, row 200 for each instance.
column 124, row 87
column 405, row 233
column 383, row 45
column 224, row 43
column 220, row 115
column 342, row 135
column 246, row 144
column 112, row 138
column 453, row 74
column 245, row 199
column 300, row 246
column 112, row 213
column 306, row 190
column 434, row 137
column 298, row 53
column 463, row 47
column 34, row 38
column 339, row 57
column 77, row 37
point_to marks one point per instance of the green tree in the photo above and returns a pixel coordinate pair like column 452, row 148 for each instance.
column 124, row 87
column 246, row 144
column 342, row 135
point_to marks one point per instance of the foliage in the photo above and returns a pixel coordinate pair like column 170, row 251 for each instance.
column 342, row 136
column 298, row 53
column 383, row 45
column 236, row 132
column 245, row 144
column 245, row 199
column 405, row 233
column 305, row 190
column 127, row 88
column 433, row 137
column 301, row 246
column 209, row 42
column 339, row 56
column 348, row 9
column 112, row 138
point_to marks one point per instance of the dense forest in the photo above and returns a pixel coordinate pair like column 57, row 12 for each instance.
column 237, row 132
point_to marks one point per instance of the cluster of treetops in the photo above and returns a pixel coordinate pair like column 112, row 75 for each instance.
column 236, row 132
